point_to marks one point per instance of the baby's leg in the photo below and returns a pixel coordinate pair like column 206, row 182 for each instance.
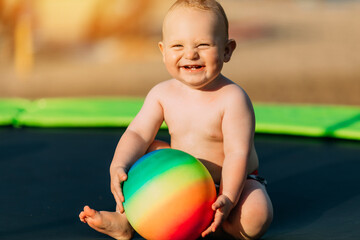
column 114, row 224
column 253, row 214
column 156, row 145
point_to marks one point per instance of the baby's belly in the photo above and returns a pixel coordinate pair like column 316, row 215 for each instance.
column 212, row 156
column 214, row 170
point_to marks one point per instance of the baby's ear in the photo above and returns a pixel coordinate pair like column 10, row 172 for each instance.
column 229, row 49
column 161, row 47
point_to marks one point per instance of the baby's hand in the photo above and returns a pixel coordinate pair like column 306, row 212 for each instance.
column 222, row 207
column 118, row 175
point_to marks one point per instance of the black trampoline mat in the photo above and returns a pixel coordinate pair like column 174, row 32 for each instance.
column 48, row 175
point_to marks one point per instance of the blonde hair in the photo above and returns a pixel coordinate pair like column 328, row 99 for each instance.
column 207, row 5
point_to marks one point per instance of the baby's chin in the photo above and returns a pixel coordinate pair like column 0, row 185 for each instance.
column 201, row 85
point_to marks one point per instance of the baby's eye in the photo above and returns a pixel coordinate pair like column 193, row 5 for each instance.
column 177, row 46
column 203, row 45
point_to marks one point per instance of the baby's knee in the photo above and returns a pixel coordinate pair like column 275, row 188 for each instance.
column 252, row 224
column 156, row 145
column 258, row 221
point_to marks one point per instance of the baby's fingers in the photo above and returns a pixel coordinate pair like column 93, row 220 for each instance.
column 116, row 189
column 219, row 203
column 119, row 204
column 214, row 226
column 207, row 231
column 218, row 219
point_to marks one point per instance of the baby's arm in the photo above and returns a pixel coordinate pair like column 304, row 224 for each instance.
column 238, row 126
column 134, row 142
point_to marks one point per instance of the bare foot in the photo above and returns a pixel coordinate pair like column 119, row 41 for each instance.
column 113, row 224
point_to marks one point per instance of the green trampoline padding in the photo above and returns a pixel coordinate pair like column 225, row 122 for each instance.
column 10, row 109
column 309, row 120
column 303, row 120
column 80, row 112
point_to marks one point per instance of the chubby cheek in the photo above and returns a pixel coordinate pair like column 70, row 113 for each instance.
column 173, row 57
column 213, row 60
column 171, row 60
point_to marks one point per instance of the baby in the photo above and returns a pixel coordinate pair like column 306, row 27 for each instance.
column 208, row 116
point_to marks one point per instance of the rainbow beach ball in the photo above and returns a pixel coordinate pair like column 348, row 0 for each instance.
column 168, row 195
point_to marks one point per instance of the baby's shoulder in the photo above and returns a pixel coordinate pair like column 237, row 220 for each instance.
column 161, row 91
column 233, row 92
column 235, row 100
column 164, row 87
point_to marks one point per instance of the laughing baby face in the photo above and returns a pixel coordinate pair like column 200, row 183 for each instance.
column 194, row 46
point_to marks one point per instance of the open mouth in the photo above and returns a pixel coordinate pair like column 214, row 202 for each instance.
column 193, row 67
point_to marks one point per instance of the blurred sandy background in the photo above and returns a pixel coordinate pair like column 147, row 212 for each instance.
column 303, row 51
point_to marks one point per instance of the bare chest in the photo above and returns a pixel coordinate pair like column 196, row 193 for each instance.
column 193, row 121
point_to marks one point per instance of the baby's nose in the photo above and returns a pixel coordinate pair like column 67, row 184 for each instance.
column 191, row 53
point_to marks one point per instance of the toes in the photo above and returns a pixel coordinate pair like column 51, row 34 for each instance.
column 82, row 217
column 89, row 212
